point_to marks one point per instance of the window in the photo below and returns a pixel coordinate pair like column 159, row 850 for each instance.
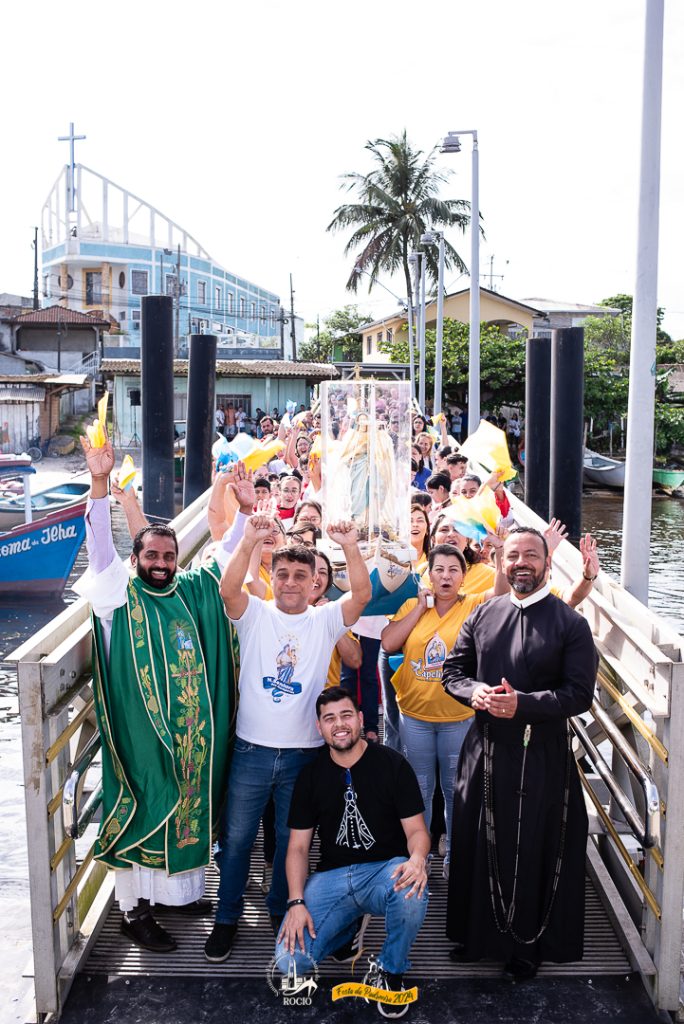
column 379, row 339
column 202, row 293
column 273, row 316
column 242, row 306
column 139, row 282
column 390, row 334
column 230, row 298
column 252, row 310
column 217, row 298
column 194, row 326
column 171, row 282
column 93, row 287
column 46, row 285
column 369, row 344
column 122, row 316
column 262, row 312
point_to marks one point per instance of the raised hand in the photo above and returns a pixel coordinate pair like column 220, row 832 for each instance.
column 343, row 533
column 259, row 527
column 242, row 486
column 100, row 461
column 555, row 532
column 588, row 550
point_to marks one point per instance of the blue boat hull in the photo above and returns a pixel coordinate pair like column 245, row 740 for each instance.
column 37, row 558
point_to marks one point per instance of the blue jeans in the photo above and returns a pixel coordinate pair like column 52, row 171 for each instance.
column 367, row 676
column 256, row 775
column 423, row 745
column 336, row 899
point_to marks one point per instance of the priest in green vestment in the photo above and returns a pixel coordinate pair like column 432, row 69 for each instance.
column 164, row 681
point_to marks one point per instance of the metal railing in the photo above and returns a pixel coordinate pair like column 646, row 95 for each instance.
column 69, row 897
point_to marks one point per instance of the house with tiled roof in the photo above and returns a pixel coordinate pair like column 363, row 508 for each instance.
column 251, row 383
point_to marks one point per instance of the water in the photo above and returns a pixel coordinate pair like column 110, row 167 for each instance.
column 602, row 516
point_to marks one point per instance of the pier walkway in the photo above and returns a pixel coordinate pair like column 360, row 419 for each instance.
column 630, row 750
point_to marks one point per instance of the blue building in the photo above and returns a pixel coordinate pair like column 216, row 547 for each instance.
column 104, row 248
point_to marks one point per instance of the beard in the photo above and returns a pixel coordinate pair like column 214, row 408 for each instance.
column 526, row 585
column 152, row 581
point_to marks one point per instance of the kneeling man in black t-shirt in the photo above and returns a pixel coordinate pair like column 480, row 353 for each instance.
column 365, row 801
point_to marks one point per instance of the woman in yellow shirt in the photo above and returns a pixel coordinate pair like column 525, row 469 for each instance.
column 425, row 629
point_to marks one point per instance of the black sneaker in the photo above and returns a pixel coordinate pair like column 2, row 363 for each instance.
column 377, row 977
column 348, row 953
column 219, row 945
column 144, row 931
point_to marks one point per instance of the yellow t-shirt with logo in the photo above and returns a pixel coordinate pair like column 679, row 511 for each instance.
column 418, row 681
column 335, row 667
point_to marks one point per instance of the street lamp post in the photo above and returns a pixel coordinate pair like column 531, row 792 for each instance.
column 429, row 238
column 452, row 144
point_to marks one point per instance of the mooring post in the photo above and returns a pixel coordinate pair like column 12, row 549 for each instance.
column 537, row 425
column 157, row 406
column 200, row 430
column 567, row 418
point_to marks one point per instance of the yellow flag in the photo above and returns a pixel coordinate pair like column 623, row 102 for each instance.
column 127, row 472
column 96, row 433
column 262, row 453
column 488, row 447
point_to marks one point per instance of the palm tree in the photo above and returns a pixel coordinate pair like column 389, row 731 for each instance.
column 398, row 203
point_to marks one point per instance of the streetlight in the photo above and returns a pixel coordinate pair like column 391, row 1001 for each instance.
column 429, row 238
column 417, row 262
column 452, row 144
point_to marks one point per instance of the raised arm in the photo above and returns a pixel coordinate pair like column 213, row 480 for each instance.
column 257, row 528
column 344, row 533
column 128, row 499
column 99, row 542
column 582, row 587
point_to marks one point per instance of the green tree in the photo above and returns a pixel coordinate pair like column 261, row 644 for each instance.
column 502, row 363
column 340, row 333
column 398, row 200
column 625, row 303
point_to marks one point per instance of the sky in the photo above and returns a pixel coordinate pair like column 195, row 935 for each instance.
column 237, row 122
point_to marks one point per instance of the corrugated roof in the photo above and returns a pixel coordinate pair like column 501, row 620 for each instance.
column 236, row 368
column 54, row 315
column 78, row 380
column 22, row 393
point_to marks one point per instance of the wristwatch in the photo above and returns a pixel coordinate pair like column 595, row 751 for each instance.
column 294, row 903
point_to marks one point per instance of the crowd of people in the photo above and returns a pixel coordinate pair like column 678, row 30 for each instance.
column 244, row 693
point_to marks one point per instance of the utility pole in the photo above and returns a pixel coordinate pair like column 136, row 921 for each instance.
column 178, row 298
column 292, row 323
column 35, row 268
column 318, row 336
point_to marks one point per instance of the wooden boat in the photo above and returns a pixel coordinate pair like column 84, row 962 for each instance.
column 52, row 498
column 668, row 480
column 602, row 471
column 37, row 556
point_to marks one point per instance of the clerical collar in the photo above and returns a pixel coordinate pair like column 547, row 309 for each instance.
column 526, row 602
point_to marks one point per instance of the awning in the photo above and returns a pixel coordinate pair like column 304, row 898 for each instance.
column 21, row 393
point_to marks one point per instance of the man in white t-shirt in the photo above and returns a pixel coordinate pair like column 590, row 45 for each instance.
column 285, row 651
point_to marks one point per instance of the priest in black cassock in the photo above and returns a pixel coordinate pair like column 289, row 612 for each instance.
column 525, row 663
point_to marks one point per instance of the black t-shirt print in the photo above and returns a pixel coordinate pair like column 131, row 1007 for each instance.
column 358, row 810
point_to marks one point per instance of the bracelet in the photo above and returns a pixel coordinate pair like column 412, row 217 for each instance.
column 589, row 579
column 294, row 903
